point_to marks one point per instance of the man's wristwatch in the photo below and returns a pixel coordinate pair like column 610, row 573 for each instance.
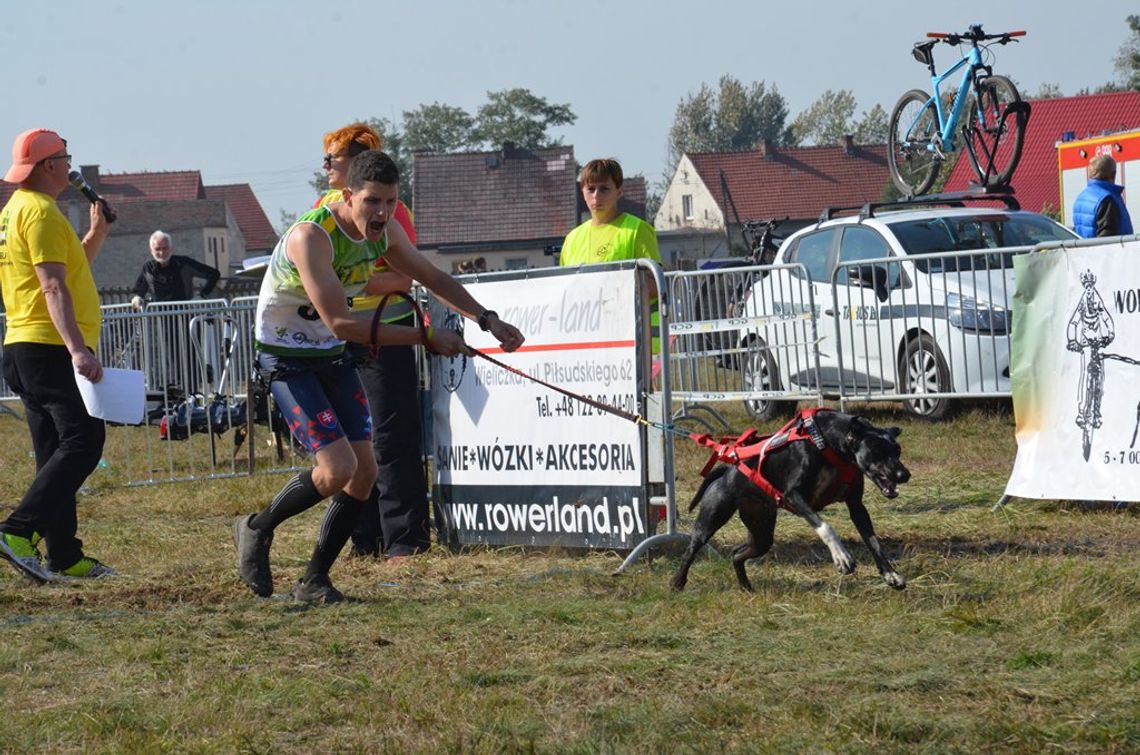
column 483, row 324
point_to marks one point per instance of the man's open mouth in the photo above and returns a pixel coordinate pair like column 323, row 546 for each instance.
column 376, row 226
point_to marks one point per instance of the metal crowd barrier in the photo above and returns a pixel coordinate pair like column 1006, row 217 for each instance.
column 924, row 329
column 739, row 334
column 204, row 416
column 918, row 329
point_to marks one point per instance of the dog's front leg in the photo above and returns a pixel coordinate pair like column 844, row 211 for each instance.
column 839, row 554
column 862, row 520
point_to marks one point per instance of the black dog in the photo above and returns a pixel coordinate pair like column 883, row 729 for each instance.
column 808, row 481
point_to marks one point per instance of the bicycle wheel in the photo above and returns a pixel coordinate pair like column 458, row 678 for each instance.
column 913, row 131
column 994, row 136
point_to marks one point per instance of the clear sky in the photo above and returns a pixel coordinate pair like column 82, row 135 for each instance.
column 243, row 90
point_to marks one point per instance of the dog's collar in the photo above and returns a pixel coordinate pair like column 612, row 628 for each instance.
column 807, row 422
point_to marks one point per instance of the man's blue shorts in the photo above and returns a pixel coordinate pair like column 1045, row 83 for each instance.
column 321, row 398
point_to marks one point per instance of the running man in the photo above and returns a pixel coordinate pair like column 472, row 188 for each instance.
column 303, row 321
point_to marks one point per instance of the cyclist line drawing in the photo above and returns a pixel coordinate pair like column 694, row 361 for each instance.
column 1090, row 327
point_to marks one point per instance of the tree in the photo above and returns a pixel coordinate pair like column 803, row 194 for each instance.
column 733, row 117
column 438, row 128
column 873, row 127
column 1127, row 61
column 653, row 199
column 285, row 221
column 827, row 120
column 514, row 115
column 1047, row 91
column 831, row 117
column 519, row 116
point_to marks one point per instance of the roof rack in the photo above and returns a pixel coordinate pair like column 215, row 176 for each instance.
column 1003, row 194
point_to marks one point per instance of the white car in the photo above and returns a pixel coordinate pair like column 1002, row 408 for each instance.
column 920, row 305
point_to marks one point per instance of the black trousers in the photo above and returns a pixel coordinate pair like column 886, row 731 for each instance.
column 399, row 517
column 67, row 441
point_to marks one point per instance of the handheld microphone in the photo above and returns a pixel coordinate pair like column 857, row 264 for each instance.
column 80, row 183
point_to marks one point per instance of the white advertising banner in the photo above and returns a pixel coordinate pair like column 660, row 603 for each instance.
column 518, row 463
column 1075, row 365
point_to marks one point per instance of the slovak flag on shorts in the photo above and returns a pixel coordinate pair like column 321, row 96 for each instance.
column 327, row 418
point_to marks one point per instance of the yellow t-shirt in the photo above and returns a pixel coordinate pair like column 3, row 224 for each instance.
column 34, row 231
column 627, row 237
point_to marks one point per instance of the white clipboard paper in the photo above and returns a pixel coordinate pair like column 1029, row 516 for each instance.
column 119, row 397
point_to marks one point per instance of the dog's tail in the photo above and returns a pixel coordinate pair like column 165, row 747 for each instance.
column 717, row 472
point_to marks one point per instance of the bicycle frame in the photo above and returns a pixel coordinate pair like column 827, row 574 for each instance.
column 947, row 125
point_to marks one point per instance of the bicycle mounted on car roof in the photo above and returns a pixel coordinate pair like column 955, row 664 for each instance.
column 922, row 134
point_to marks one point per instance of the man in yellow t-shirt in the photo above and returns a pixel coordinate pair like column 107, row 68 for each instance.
column 609, row 235
column 53, row 328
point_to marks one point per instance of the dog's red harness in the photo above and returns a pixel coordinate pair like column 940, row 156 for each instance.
column 801, row 428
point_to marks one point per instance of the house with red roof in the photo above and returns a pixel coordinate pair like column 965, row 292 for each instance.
column 710, row 191
column 218, row 225
column 512, row 207
column 1053, row 122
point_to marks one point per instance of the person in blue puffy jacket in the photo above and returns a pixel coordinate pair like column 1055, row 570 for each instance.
column 1100, row 209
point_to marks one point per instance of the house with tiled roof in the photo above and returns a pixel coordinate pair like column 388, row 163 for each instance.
column 258, row 233
column 1052, row 122
column 511, row 207
column 767, row 182
column 218, row 225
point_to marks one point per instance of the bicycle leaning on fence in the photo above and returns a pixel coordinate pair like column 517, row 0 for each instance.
column 924, row 128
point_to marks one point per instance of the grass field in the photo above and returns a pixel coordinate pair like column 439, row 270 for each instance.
column 1019, row 631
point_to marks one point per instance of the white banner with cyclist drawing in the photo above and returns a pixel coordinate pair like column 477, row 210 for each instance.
column 517, row 463
column 1075, row 373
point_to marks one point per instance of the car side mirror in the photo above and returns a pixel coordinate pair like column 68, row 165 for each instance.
column 871, row 276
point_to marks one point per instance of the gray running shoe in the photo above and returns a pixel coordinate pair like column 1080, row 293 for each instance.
column 253, row 556
column 24, row 555
column 317, row 589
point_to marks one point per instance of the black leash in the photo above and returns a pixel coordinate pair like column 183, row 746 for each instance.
column 425, row 338
column 374, row 329
column 635, row 418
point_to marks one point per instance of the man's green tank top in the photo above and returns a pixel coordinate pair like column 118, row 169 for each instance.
column 287, row 322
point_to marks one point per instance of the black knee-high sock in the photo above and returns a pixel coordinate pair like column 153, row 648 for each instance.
column 340, row 519
column 299, row 494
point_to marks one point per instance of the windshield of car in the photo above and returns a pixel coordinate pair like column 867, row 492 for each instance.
column 963, row 233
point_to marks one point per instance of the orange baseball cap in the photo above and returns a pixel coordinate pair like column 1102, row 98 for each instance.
column 29, row 148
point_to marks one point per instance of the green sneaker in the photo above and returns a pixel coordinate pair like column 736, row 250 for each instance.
column 88, row 568
column 24, row 555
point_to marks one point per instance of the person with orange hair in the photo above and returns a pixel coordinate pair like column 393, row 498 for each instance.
column 395, row 519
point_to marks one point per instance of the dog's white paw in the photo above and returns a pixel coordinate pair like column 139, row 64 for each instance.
column 843, row 560
column 895, row 580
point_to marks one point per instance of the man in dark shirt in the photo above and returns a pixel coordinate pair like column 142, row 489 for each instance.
column 169, row 277
column 164, row 278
